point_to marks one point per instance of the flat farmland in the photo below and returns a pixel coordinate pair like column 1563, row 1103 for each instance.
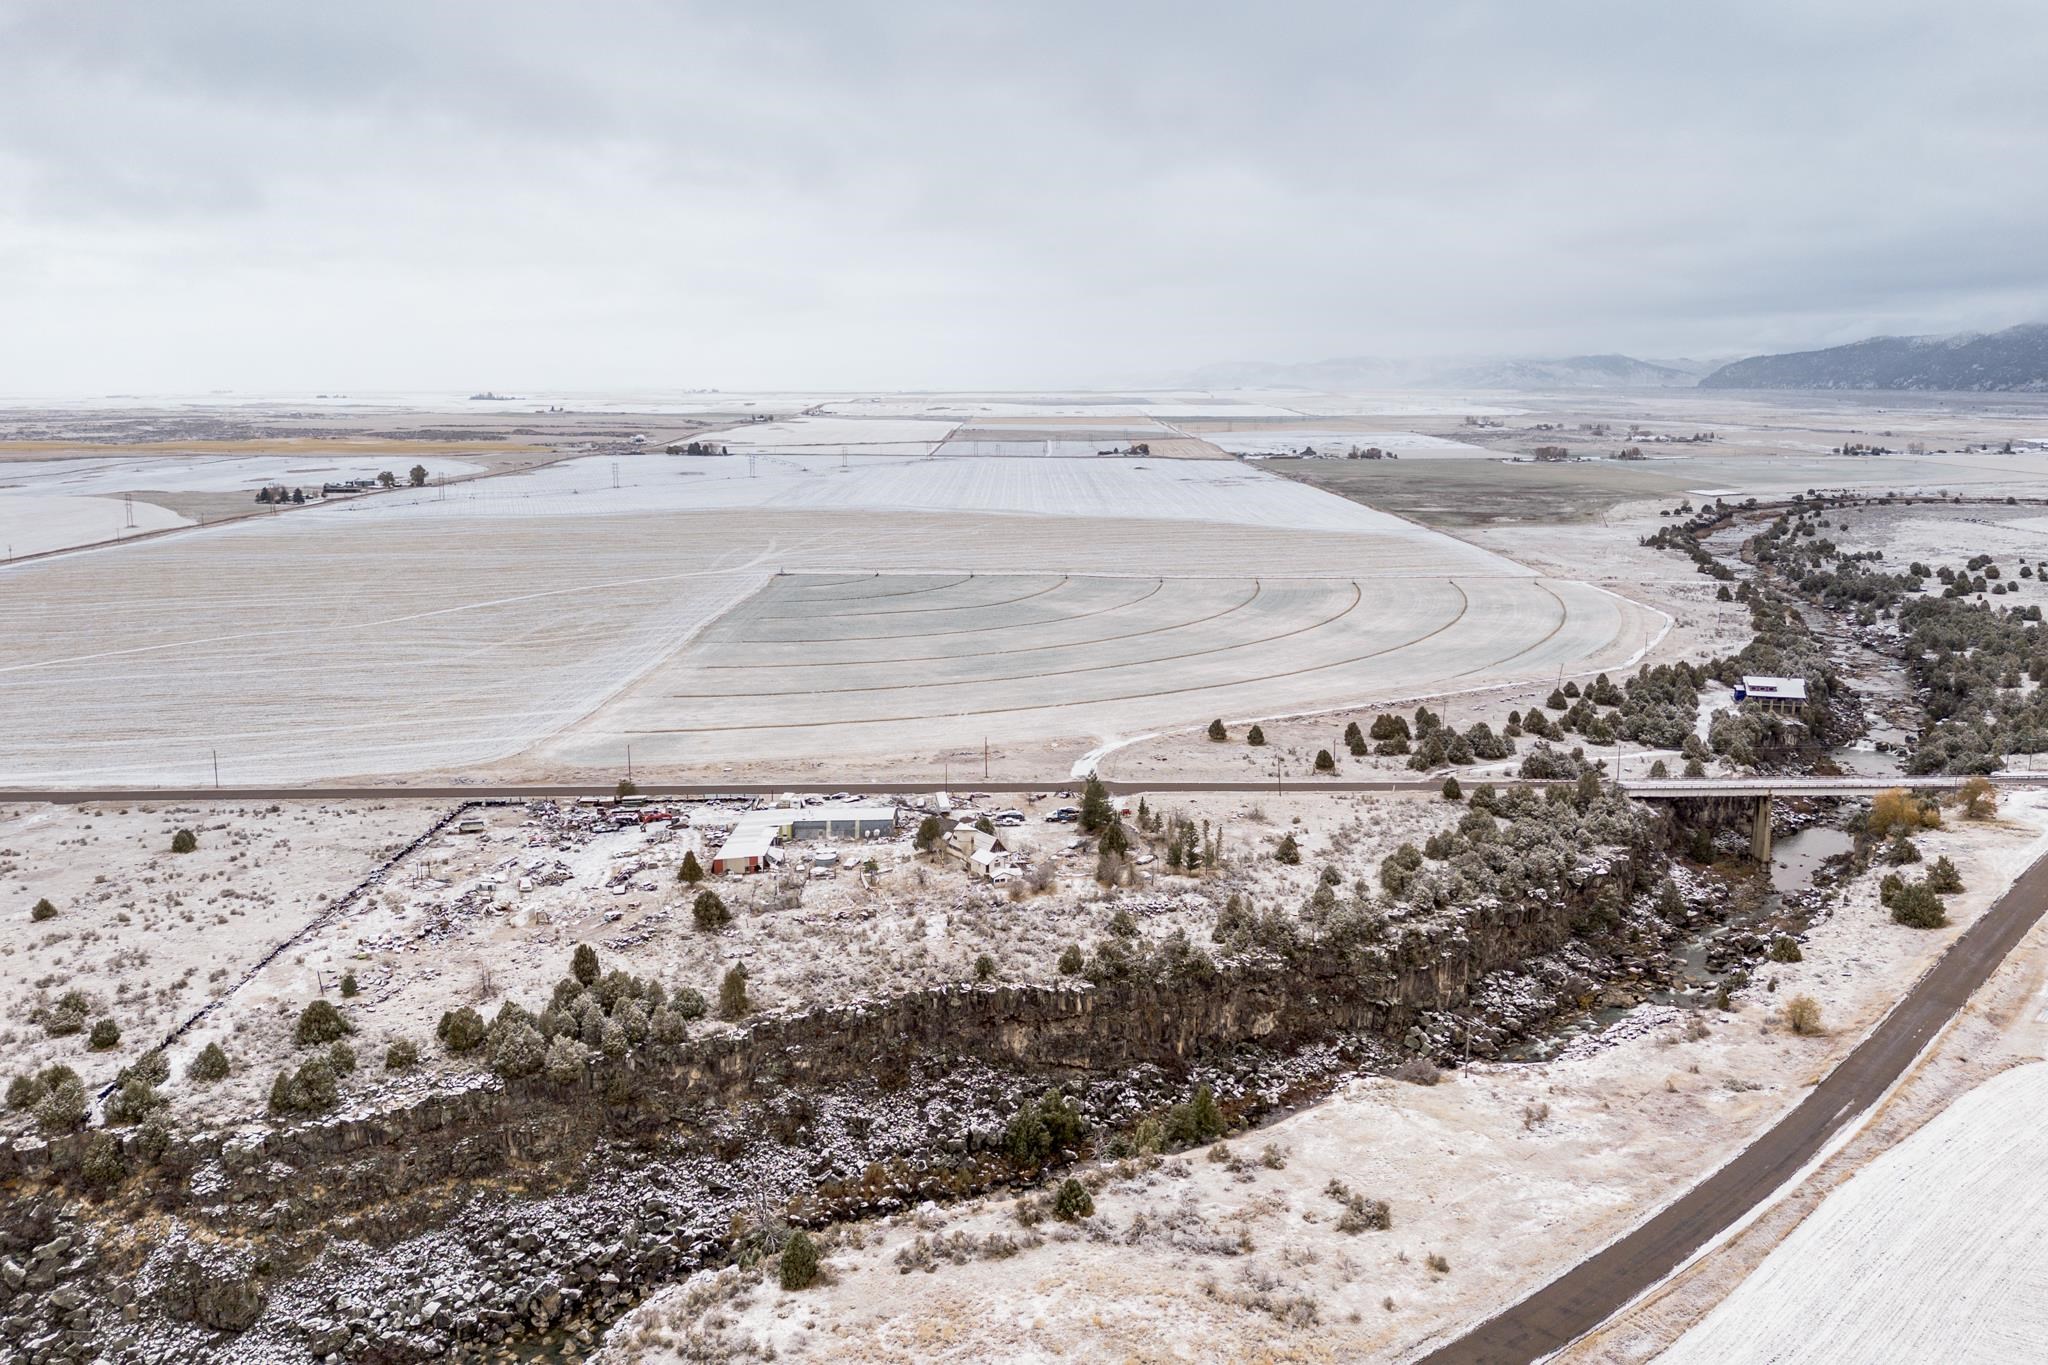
column 904, row 664
column 541, row 626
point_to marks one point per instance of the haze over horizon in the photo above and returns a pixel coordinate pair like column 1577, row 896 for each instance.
column 231, row 195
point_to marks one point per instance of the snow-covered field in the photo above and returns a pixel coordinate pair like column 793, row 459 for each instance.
column 210, row 473
column 1285, row 441
column 31, row 523
column 1172, row 490
column 834, row 435
column 888, row 665
column 1937, row 1250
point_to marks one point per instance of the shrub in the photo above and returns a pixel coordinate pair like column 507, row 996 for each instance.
column 1115, row 841
column 210, row 1065
column 1942, row 877
column 62, row 1106
column 1915, row 905
column 1901, row 851
column 1979, row 798
column 566, row 1060
column 68, row 1015
column 1196, row 1119
column 102, row 1165
column 1895, row 810
column 583, row 964
column 311, row 1090
column 627, row 787
column 1658, row 771
column 1365, row 1215
column 518, row 1050
column 320, row 1022
column 708, row 912
column 688, row 1003
column 798, row 1267
column 930, row 831
column 1071, row 961
column 1217, row 732
column 984, row 968
column 461, row 1030
column 1452, row 791
column 184, row 841
column 692, row 871
column 349, row 989
column 43, row 910
column 1288, row 851
column 1255, row 736
column 402, row 1055
column 105, row 1034
column 1802, row 1015
column 341, row 1058
column 132, row 1102
column 1325, row 763
column 1072, row 1201
column 1785, row 948
column 732, row 993
column 1437, row 1264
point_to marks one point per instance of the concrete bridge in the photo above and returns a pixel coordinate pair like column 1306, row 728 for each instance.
column 1761, row 790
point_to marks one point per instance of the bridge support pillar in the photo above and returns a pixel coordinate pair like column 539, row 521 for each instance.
column 1760, row 831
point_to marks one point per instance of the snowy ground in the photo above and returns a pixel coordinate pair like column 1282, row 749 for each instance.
column 1510, row 1173
column 1173, row 490
column 1289, row 441
column 212, row 473
column 150, row 935
column 452, row 926
column 868, row 666
column 832, row 435
column 1937, row 1250
column 31, row 523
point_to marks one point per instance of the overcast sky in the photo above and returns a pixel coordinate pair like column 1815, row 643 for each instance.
column 413, row 195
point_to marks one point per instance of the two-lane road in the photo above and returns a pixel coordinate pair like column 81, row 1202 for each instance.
column 1589, row 1293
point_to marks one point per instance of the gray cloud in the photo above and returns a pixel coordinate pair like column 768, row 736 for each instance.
column 198, row 195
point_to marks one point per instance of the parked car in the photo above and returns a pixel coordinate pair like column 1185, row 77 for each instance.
column 1065, row 815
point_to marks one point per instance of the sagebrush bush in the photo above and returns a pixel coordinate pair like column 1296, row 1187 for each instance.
column 1802, row 1015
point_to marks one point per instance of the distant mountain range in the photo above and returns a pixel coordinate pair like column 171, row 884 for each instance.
column 2012, row 361
column 1371, row 372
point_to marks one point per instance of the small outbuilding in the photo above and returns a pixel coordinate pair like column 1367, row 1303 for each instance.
column 744, row 850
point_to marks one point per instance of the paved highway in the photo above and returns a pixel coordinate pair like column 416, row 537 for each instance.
column 1585, row 1296
column 568, row 791
column 565, row 791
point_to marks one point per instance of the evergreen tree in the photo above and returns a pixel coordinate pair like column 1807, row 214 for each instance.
column 1096, row 811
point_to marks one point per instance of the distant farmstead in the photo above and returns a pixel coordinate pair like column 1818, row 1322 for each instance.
column 1771, row 694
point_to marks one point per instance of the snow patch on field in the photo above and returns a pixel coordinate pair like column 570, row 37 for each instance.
column 1938, row 1250
column 33, row 523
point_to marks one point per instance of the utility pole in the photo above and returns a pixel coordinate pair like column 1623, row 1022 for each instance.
column 1277, row 786
column 216, row 769
column 629, row 763
column 984, row 758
